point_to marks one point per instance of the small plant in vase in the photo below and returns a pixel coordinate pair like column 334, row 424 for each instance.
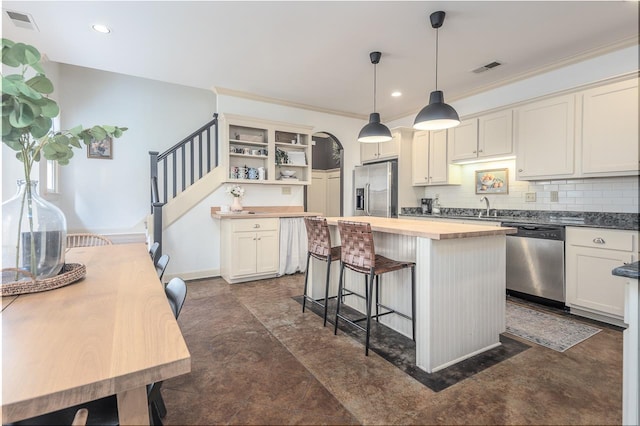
column 238, row 192
column 34, row 230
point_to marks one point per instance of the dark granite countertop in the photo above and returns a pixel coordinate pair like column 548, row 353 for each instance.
column 629, row 271
column 624, row 221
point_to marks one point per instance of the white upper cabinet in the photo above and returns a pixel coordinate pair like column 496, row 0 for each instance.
column 545, row 138
column 483, row 137
column 380, row 151
column 464, row 140
column 495, row 134
column 610, row 129
column 429, row 165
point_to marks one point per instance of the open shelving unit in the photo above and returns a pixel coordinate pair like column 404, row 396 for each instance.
column 251, row 143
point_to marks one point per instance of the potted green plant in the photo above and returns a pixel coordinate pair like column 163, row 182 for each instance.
column 34, row 230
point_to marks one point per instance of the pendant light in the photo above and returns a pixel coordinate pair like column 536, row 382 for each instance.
column 437, row 115
column 375, row 131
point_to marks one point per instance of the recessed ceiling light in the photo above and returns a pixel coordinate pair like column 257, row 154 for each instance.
column 101, row 28
column 396, row 94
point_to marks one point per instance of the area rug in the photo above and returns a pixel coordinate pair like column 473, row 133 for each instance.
column 400, row 350
column 552, row 331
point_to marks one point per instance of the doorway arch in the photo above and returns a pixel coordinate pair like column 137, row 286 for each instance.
column 327, row 154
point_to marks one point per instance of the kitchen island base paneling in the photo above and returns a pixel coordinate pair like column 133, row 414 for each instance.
column 460, row 286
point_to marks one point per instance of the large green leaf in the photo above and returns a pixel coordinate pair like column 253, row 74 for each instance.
column 60, row 140
column 6, row 126
column 17, row 53
column 21, row 116
column 7, row 43
column 75, row 131
column 8, row 87
column 27, row 91
column 98, row 133
column 40, row 127
column 31, row 55
column 109, row 129
column 75, row 142
column 8, row 57
column 49, row 107
column 49, row 150
column 41, row 84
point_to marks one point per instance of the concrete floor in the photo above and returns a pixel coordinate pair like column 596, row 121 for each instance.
column 257, row 359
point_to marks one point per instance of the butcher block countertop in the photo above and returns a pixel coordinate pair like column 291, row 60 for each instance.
column 426, row 229
column 250, row 212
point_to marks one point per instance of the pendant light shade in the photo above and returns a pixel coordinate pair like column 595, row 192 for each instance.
column 375, row 131
column 437, row 115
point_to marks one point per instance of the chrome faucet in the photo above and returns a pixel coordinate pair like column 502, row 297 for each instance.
column 486, row 200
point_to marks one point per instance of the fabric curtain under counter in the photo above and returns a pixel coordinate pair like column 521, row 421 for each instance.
column 293, row 246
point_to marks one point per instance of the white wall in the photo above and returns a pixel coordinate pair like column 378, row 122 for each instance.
column 594, row 194
column 112, row 196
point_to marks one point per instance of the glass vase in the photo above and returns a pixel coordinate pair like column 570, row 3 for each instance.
column 34, row 234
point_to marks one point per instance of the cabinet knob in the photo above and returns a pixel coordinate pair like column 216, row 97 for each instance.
column 598, row 240
column 479, row 150
column 474, row 151
column 520, row 170
column 256, row 225
column 426, row 178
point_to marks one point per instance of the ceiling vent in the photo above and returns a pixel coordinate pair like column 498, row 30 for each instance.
column 487, row 67
column 22, row 20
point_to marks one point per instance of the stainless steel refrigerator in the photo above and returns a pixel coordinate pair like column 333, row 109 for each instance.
column 376, row 189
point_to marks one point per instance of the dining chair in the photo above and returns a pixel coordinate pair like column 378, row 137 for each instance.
column 153, row 251
column 319, row 247
column 176, row 291
column 87, row 240
column 358, row 254
column 80, row 419
column 161, row 265
column 100, row 412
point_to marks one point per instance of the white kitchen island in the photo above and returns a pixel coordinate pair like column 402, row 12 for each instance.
column 460, row 285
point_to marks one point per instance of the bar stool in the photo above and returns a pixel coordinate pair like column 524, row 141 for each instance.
column 319, row 241
column 358, row 254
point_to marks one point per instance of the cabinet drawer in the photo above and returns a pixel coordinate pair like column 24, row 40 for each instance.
column 252, row 225
column 601, row 238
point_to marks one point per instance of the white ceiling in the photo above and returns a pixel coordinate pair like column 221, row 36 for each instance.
column 317, row 53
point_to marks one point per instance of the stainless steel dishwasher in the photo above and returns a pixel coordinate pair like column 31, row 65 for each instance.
column 535, row 261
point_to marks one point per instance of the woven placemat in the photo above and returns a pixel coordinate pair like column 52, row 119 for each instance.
column 71, row 272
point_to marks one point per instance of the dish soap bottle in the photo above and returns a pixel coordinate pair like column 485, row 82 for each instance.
column 436, row 206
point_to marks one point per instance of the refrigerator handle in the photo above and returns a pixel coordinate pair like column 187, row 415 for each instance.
column 367, row 192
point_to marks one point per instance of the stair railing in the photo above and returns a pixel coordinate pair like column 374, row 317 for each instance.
column 180, row 167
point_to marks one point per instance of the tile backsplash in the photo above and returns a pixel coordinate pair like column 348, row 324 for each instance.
column 610, row 194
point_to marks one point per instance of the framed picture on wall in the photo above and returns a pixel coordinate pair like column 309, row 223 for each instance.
column 100, row 148
column 492, row 181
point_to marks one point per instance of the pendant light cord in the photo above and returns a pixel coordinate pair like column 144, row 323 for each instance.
column 437, row 58
column 374, row 87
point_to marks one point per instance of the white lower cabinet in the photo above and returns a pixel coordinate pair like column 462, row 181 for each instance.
column 591, row 254
column 249, row 249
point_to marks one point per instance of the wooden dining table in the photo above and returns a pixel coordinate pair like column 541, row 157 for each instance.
column 111, row 333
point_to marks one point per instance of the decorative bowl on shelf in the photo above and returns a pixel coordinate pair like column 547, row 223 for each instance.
column 287, row 173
